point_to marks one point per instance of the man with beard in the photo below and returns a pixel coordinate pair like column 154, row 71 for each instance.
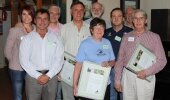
column 97, row 10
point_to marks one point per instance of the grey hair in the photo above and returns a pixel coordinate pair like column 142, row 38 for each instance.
column 140, row 11
column 54, row 5
column 99, row 4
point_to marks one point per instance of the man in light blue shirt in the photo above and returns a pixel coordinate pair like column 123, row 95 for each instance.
column 41, row 56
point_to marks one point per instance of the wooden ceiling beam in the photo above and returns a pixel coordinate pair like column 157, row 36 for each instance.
column 39, row 4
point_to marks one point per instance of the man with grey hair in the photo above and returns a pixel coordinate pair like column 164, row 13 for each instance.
column 128, row 16
column 97, row 10
column 134, row 86
column 55, row 26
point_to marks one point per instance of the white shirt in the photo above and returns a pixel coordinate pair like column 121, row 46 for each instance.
column 72, row 37
column 38, row 53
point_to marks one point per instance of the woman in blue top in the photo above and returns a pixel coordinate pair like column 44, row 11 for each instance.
column 94, row 49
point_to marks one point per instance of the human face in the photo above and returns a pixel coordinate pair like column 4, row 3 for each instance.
column 129, row 12
column 54, row 14
column 96, row 10
column 117, row 18
column 98, row 32
column 26, row 17
column 77, row 12
column 139, row 21
column 42, row 21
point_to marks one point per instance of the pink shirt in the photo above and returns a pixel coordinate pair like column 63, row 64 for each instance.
column 151, row 41
column 57, row 29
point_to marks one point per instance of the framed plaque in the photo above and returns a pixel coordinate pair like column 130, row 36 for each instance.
column 132, row 3
column 68, row 68
column 141, row 59
column 93, row 81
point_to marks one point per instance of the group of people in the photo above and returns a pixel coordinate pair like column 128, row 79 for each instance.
column 35, row 51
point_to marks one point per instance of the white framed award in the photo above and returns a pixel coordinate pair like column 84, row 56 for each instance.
column 141, row 59
column 68, row 69
column 93, row 81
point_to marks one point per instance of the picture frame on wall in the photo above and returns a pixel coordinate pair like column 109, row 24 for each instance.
column 132, row 3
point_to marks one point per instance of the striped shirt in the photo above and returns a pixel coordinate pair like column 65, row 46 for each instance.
column 151, row 41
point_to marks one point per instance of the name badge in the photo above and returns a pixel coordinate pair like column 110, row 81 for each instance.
column 117, row 38
column 105, row 46
column 131, row 39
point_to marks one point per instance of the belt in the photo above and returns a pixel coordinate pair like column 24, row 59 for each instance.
column 43, row 71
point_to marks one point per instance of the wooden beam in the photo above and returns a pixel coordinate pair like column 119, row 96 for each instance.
column 14, row 12
column 39, row 4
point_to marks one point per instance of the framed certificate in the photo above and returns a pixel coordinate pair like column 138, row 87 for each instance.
column 141, row 59
column 68, row 68
column 93, row 81
column 129, row 3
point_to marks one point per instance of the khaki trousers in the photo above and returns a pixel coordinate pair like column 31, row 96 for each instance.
column 35, row 91
column 135, row 88
column 67, row 91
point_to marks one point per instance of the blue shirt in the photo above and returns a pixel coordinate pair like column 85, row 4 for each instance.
column 116, row 37
column 96, row 52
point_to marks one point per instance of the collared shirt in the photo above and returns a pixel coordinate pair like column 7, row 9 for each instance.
column 57, row 29
column 116, row 37
column 72, row 37
column 148, row 39
column 38, row 53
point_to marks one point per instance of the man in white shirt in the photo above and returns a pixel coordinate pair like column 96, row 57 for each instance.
column 41, row 56
column 73, row 33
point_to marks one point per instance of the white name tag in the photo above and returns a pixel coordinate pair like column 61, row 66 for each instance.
column 131, row 39
column 117, row 38
column 21, row 37
column 105, row 46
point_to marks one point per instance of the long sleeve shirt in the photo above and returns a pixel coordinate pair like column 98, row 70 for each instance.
column 148, row 39
column 38, row 53
column 11, row 50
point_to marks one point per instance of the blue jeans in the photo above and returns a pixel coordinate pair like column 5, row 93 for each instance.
column 113, row 92
column 17, row 80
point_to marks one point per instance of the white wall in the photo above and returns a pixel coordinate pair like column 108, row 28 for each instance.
column 68, row 17
column 109, row 5
column 147, row 5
